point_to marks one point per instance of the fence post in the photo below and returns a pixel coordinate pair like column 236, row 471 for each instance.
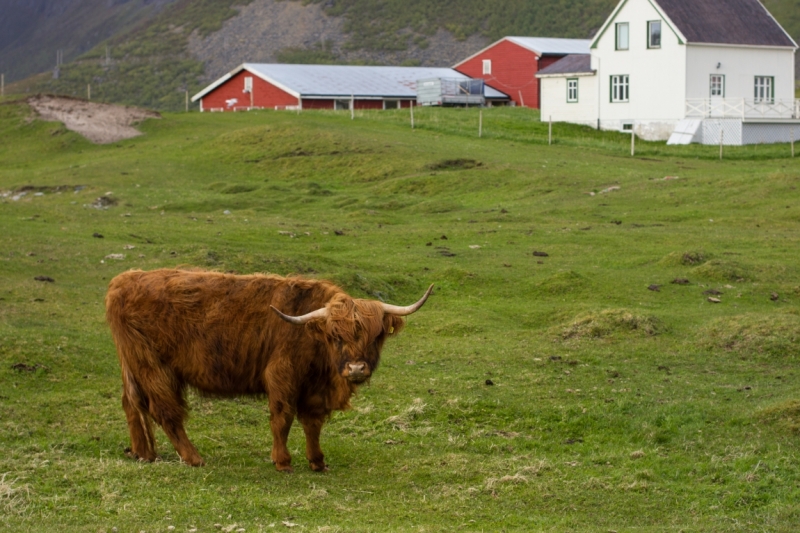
column 521, row 99
column 88, row 91
column 187, row 100
column 480, row 123
column 352, row 107
column 2, row 84
column 411, row 107
column 721, row 136
column 792, row 134
column 550, row 131
column 633, row 141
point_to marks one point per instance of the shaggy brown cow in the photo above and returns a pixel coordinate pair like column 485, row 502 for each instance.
column 215, row 332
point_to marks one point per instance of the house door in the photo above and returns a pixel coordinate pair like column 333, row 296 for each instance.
column 716, row 95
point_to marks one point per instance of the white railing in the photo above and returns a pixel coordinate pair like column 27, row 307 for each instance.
column 741, row 108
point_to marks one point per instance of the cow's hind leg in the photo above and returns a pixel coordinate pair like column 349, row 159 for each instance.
column 280, row 422
column 168, row 408
column 139, row 423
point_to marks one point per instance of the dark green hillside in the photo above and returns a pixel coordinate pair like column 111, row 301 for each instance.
column 151, row 65
column 376, row 24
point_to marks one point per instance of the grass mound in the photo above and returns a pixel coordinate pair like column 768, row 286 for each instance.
column 563, row 283
column 609, row 322
column 454, row 164
column 751, row 334
column 785, row 415
column 719, row 270
column 692, row 258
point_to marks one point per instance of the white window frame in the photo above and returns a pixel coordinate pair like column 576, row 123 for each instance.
column 650, row 25
column 764, row 89
column 572, row 90
column 397, row 104
column 487, row 66
column 248, row 84
column 716, row 85
column 618, row 33
column 620, row 88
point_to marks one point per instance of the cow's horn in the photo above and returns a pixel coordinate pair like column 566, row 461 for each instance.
column 403, row 311
column 300, row 320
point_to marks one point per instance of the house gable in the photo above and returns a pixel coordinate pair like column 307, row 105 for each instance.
column 609, row 22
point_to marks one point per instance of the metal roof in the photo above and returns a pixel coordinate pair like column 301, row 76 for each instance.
column 743, row 22
column 344, row 81
column 553, row 46
column 569, row 64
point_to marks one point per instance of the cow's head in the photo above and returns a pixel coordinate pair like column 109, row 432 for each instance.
column 354, row 331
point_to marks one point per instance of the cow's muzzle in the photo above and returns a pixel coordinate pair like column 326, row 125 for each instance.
column 356, row 372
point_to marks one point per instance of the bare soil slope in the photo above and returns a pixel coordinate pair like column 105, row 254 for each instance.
column 100, row 123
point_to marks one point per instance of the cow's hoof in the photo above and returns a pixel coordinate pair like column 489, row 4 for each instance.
column 287, row 469
column 141, row 458
column 319, row 467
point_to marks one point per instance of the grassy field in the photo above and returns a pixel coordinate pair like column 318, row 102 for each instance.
column 578, row 391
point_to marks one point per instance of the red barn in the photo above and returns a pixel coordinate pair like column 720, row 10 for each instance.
column 510, row 65
column 282, row 86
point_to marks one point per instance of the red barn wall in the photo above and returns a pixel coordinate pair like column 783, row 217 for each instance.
column 265, row 95
column 514, row 70
column 317, row 104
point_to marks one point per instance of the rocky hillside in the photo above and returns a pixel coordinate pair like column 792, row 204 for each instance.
column 167, row 47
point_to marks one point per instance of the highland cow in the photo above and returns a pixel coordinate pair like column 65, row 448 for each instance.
column 304, row 344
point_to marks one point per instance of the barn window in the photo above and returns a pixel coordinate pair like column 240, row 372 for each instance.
column 619, row 88
column 622, row 36
column 341, row 105
column 717, row 85
column 572, row 90
column 654, row 34
column 764, row 89
column 248, row 84
column 487, row 66
column 391, row 104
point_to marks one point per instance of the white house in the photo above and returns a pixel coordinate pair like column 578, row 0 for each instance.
column 684, row 70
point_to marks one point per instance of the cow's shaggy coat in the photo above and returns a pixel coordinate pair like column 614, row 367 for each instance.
column 216, row 333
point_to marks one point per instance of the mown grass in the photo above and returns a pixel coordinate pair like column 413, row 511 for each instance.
column 539, row 392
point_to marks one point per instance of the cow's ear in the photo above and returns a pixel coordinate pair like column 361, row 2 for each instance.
column 393, row 324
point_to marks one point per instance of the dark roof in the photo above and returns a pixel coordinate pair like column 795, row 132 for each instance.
column 571, row 64
column 725, row 22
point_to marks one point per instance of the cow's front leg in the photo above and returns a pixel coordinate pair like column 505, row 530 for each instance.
column 281, row 418
column 312, row 426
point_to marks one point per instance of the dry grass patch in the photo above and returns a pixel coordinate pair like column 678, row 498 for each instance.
column 607, row 323
column 754, row 334
column 13, row 497
column 785, row 415
column 693, row 258
column 404, row 420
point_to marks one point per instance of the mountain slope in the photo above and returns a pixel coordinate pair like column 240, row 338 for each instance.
column 188, row 43
column 31, row 31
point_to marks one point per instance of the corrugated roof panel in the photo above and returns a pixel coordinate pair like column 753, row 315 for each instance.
column 569, row 64
column 551, row 45
column 343, row 81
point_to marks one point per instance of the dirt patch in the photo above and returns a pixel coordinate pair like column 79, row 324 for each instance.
column 785, row 415
column 100, row 123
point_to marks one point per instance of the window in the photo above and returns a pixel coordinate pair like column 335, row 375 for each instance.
column 622, row 36
column 572, row 90
column 487, row 66
column 248, row 84
column 764, row 89
column 619, row 88
column 717, row 85
column 654, row 34
column 341, row 105
column 391, row 104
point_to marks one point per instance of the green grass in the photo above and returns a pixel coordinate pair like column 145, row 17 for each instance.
column 613, row 407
